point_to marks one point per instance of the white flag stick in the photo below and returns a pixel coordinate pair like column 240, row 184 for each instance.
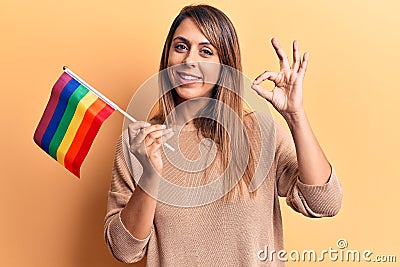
column 105, row 99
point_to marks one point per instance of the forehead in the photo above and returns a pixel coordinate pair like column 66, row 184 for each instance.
column 190, row 31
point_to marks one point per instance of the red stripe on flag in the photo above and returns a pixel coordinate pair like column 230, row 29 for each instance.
column 51, row 106
column 87, row 142
column 83, row 129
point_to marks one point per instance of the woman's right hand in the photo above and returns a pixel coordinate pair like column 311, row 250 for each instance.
column 145, row 142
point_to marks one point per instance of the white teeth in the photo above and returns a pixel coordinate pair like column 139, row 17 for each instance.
column 188, row 77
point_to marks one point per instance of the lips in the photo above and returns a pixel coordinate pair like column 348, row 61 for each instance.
column 187, row 78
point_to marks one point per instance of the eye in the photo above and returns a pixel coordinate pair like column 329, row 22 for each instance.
column 180, row 47
column 207, row 52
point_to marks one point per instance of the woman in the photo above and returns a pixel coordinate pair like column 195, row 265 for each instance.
column 230, row 230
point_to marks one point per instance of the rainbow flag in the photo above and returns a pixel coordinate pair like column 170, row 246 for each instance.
column 70, row 122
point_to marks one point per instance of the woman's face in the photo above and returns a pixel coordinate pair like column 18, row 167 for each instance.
column 194, row 62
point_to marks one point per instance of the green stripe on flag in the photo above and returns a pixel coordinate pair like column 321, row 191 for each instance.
column 73, row 101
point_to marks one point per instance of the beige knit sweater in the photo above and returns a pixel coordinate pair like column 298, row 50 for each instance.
column 218, row 233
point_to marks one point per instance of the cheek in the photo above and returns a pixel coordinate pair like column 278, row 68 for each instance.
column 174, row 58
column 170, row 57
column 210, row 71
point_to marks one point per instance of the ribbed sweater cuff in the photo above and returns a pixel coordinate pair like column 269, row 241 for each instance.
column 321, row 200
column 124, row 245
column 126, row 230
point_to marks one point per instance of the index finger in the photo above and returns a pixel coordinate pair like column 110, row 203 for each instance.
column 283, row 59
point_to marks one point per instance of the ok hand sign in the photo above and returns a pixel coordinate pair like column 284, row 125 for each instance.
column 287, row 95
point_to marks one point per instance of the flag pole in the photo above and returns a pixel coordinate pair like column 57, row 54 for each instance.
column 105, row 99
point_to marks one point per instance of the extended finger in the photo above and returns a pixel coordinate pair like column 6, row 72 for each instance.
column 296, row 56
column 304, row 63
column 267, row 75
column 283, row 59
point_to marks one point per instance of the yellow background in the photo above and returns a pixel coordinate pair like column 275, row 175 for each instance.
column 49, row 218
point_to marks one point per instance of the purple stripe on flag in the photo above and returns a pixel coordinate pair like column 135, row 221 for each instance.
column 50, row 108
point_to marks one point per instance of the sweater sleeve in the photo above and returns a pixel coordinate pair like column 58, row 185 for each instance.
column 311, row 200
column 122, row 244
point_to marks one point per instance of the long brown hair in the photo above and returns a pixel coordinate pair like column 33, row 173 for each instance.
column 220, row 32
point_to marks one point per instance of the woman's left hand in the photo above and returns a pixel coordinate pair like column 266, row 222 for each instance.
column 287, row 95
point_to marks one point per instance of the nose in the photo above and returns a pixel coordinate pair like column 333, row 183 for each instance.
column 191, row 59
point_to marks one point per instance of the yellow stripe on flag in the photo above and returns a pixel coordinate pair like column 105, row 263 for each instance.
column 73, row 127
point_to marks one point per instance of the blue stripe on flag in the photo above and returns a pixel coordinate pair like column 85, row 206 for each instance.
column 66, row 93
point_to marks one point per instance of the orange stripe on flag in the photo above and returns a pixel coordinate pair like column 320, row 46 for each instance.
column 87, row 121
column 94, row 128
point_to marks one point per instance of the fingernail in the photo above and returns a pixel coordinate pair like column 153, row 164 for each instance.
column 163, row 126
column 147, row 124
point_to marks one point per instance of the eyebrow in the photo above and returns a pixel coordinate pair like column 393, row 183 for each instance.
column 183, row 39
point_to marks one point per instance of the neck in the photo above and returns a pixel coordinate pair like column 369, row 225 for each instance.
column 187, row 110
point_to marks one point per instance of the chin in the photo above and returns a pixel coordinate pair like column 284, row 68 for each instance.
column 192, row 91
column 182, row 96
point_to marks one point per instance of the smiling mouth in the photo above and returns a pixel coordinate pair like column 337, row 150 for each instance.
column 188, row 78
